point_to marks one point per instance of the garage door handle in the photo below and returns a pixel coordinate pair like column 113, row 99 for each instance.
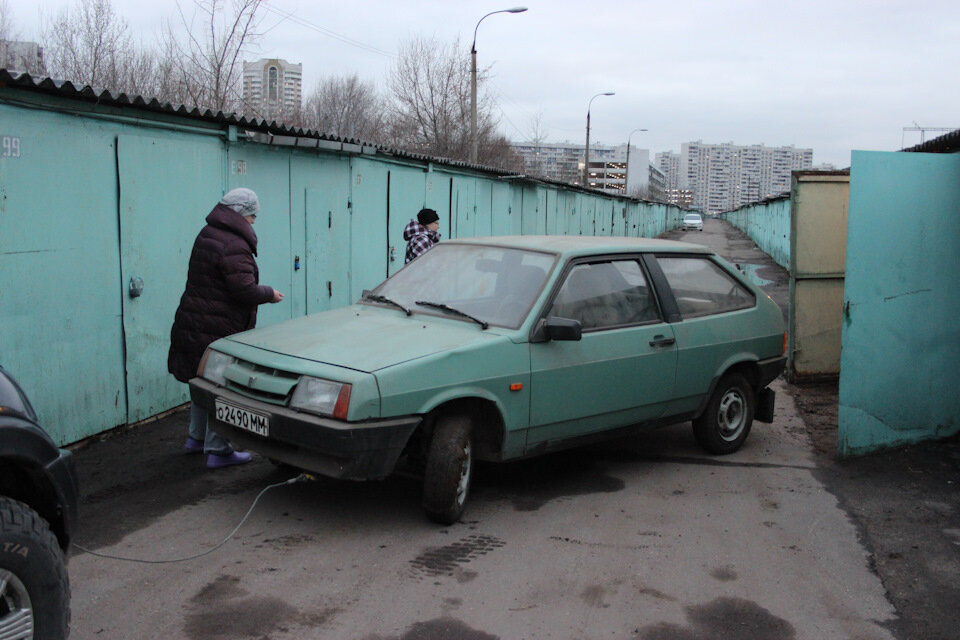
column 660, row 341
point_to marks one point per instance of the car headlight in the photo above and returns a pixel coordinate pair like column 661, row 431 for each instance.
column 322, row 397
column 213, row 364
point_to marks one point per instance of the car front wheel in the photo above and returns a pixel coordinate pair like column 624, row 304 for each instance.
column 449, row 470
column 34, row 588
column 725, row 423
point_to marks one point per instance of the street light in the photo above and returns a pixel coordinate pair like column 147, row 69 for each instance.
column 586, row 149
column 626, row 181
column 473, row 81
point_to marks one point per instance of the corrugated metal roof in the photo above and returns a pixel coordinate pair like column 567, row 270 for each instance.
column 272, row 132
column 947, row 143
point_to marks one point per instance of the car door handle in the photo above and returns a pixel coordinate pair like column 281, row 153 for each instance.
column 661, row 341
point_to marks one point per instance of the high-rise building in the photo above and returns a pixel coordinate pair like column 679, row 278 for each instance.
column 563, row 162
column 272, row 88
column 22, row 57
column 723, row 177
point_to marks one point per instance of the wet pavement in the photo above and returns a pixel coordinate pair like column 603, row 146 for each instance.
column 643, row 538
column 904, row 502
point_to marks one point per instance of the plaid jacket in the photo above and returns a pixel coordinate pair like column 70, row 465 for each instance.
column 419, row 239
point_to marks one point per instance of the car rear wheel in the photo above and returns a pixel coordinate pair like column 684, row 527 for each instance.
column 726, row 422
column 449, row 470
column 34, row 587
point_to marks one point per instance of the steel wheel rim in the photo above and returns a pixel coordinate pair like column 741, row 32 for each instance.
column 16, row 610
column 731, row 415
column 463, row 485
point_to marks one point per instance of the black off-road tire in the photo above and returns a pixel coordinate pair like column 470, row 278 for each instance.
column 449, row 470
column 29, row 551
column 725, row 423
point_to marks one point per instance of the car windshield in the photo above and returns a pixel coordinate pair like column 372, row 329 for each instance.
column 495, row 285
column 692, row 217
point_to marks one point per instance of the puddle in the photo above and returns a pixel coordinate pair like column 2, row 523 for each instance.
column 751, row 272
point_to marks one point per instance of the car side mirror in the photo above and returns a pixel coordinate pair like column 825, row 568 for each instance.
column 556, row 328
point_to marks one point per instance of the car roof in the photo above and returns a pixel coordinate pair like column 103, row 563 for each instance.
column 585, row 245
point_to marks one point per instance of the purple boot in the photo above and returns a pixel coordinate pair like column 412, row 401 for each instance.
column 193, row 446
column 237, row 457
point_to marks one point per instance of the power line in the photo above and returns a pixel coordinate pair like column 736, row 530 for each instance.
column 328, row 32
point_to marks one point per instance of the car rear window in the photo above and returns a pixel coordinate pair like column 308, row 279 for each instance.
column 702, row 288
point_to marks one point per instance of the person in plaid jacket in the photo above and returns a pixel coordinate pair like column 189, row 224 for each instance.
column 421, row 234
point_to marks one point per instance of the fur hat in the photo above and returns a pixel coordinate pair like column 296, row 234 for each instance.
column 242, row 200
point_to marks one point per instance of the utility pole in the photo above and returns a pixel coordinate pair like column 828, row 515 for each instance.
column 586, row 148
column 473, row 82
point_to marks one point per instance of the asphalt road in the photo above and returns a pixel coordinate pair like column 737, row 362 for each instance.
column 643, row 538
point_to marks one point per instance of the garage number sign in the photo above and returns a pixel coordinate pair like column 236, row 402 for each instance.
column 9, row 146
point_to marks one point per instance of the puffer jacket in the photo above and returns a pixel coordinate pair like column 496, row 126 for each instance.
column 419, row 239
column 222, row 292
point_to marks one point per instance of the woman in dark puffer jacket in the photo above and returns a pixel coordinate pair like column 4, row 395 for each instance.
column 221, row 298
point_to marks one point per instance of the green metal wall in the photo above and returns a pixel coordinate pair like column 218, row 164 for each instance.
column 901, row 336
column 99, row 196
column 768, row 224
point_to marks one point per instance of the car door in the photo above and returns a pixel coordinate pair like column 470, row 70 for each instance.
column 622, row 369
column 716, row 327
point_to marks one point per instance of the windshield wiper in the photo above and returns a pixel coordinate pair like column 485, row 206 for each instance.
column 385, row 300
column 449, row 309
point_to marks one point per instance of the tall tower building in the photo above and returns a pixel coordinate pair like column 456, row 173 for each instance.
column 272, row 88
column 723, row 177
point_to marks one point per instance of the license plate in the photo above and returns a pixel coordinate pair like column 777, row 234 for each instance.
column 242, row 418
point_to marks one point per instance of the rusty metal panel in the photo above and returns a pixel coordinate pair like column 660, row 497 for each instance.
column 60, row 288
column 324, row 183
column 267, row 172
column 816, row 315
column 818, row 225
column 463, row 207
column 501, row 206
column 818, row 239
column 901, row 343
column 438, row 189
column 368, row 224
column 483, row 224
column 161, row 213
column 406, row 197
column 534, row 210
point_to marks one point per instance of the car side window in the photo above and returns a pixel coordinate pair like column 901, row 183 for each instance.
column 701, row 287
column 606, row 294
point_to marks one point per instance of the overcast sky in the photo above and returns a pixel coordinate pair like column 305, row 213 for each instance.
column 830, row 75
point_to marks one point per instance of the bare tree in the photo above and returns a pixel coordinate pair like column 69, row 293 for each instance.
column 538, row 136
column 7, row 31
column 430, row 86
column 347, row 107
column 204, row 65
column 90, row 44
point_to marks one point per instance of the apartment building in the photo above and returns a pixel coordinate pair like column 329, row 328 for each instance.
column 723, row 177
column 608, row 166
column 19, row 56
column 272, row 88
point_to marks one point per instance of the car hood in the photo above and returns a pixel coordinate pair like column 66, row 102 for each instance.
column 365, row 338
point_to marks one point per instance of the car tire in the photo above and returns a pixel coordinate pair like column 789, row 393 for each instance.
column 34, row 586
column 449, row 470
column 725, row 423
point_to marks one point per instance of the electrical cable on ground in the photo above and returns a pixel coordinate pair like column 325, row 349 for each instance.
column 303, row 477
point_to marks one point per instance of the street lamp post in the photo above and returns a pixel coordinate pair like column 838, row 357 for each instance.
column 626, row 181
column 473, row 81
column 586, row 149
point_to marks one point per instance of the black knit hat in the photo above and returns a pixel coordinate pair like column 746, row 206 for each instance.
column 426, row 216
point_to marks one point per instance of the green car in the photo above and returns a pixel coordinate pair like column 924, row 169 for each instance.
column 502, row 348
